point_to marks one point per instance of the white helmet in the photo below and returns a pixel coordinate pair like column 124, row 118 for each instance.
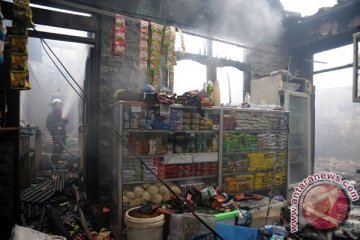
column 56, row 100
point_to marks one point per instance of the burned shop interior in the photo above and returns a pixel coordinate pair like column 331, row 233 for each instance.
column 176, row 120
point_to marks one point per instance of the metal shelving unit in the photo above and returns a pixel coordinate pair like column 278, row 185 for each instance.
column 121, row 158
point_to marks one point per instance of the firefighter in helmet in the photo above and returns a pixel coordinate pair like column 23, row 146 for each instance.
column 55, row 123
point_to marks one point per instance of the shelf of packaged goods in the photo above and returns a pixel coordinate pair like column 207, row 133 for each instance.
column 169, row 131
column 142, row 156
column 255, row 131
column 190, row 107
column 180, row 158
column 253, row 172
column 255, row 151
column 189, row 158
column 171, row 179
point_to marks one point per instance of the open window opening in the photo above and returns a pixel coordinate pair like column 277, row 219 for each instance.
column 204, row 60
column 337, row 117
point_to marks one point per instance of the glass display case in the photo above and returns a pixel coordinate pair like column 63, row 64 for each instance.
column 300, row 143
column 293, row 94
column 254, row 152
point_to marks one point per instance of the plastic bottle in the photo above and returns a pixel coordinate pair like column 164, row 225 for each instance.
column 274, row 229
column 204, row 87
column 216, row 94
column 214, row 144
column 210, row 88
column 247, row 97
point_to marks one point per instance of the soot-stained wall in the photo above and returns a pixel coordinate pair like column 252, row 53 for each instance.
column 116, row 72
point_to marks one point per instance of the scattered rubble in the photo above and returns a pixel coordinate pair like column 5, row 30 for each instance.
column 55, row 203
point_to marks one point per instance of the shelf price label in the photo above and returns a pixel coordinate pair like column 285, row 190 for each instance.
column 179, row 158
column 205, row 157
column 135, row 109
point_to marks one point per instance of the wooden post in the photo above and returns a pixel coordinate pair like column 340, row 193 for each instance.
column 37, row 148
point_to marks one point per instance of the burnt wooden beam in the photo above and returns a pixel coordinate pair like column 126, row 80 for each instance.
column 325, row 30
column 161, row 11
column 350, row 65
column 91, row 120
column 206, row 60
column 55, row 4
column 55, row 19
column 61, row 37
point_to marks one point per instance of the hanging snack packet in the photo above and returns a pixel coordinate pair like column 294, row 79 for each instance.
column 19, row 75
column 155, row 53
column 19, row 44
column 171, row 54
column 171, row 80
column 118, row 45
column 144, row 38
column 155, row 47
column 19, row 61
column 165, row 45
column 23, row 12
column 19, row 80
column 19, row 29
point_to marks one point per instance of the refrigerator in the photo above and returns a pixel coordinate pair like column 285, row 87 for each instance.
column 294, row 95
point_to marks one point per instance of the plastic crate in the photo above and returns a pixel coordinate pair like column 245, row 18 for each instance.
column 231, row 232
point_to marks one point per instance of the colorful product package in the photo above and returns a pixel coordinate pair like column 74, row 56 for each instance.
column 144, row 38
column 19, row 80
column 19, row 61
column 19, row 74
column 118, row 45
column 155, row 53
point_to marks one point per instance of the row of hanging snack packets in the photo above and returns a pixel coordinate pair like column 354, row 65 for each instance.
column 144, row 38
column 19, row 71
column 118, row 44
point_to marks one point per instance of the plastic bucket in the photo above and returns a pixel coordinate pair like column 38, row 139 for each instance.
column 144, row 228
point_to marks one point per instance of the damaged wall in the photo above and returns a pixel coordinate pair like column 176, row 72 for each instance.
column 116, row 72
column 264, row 62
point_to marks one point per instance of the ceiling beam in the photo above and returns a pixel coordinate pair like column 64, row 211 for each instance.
column 325, row 30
